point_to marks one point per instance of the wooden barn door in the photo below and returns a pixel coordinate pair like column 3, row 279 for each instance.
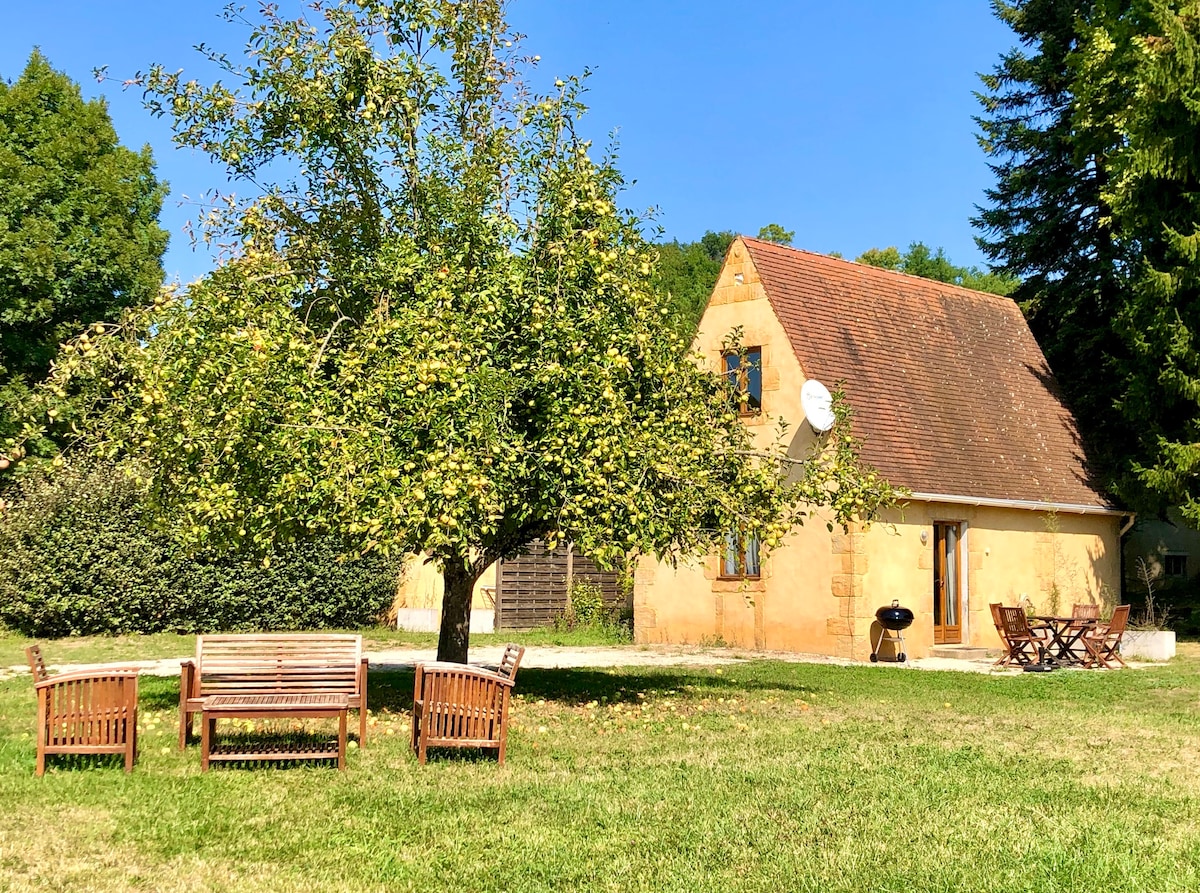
column 531, row 589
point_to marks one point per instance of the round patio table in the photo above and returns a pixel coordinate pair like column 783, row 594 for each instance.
column 1065, row 633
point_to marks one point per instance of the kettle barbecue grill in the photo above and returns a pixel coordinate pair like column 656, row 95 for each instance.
column 893, row 621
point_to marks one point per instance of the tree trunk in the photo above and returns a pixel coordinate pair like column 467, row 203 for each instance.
column 455, row 631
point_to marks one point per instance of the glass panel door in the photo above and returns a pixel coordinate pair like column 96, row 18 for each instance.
column 947, row 585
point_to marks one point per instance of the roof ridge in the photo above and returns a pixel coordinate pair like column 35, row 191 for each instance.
column 884, row 271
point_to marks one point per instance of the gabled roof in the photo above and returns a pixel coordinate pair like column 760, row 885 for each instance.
column 949, row 389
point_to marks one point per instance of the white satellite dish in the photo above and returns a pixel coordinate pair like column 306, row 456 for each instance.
column 817, row 403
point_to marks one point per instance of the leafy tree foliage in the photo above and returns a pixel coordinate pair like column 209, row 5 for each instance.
column 79, row 237
column 886, row 258
column 773, row 232
column 686, row 275
column 919, row 260
column 436, row 333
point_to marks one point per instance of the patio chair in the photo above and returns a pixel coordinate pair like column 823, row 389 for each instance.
column 455, row 705
column 86, row 712
column 1005, row 659
column 1023, row 644
column 37, row 665
column 1081, row 613
column 1103, row 644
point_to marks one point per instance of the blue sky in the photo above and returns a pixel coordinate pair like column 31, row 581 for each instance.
column 848, row 122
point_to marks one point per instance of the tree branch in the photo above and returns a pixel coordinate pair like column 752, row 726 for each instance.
column 312, row 369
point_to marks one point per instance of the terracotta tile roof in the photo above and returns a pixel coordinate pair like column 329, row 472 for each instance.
column 949, row 389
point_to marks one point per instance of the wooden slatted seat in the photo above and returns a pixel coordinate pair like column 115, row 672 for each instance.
column 274, row 665
column 1083, row 614
column 85, row 712
column 455, row 705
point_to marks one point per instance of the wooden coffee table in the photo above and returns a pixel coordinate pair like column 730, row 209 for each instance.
column 272, row 706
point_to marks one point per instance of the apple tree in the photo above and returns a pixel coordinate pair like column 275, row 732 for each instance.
column 435, row 331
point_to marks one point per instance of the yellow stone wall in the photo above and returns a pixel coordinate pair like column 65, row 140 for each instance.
column 818, row 592
column 421, row 587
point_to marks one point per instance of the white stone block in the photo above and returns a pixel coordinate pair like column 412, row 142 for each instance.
column 1148, row 644
column 428, row 620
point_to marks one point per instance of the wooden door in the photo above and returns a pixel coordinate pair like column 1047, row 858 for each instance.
column 947, row 583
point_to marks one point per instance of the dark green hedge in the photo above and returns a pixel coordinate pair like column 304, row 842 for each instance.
column 78, row 557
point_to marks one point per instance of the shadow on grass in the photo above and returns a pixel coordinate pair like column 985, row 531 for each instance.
column 392, row 689
column 462, row 755
column 85, row 762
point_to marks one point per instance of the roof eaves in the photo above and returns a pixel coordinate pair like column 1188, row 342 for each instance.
column 1025, row 504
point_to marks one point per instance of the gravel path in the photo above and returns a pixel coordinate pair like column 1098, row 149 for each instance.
column 549, row 657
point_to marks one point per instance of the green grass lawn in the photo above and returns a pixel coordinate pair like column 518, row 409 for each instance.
column 757, row 777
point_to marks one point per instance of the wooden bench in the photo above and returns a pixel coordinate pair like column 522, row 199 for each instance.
column 85, row 712
column 274, row 668
column 455, row 705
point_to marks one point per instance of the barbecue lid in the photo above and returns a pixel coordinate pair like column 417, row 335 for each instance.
column 894, row 616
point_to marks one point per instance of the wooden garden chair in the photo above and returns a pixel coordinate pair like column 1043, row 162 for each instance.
column 86, row 712
column 1005, row 659
column 1083, row 616
column 1103, row 645
column 1023, row 644
column 456, row 705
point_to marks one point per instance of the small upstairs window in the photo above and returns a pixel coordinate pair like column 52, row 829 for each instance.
column 1175, row 566
column 744, row 371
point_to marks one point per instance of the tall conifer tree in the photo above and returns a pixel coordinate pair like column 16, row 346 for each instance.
column 1046, row 219
column 1149, row 56
column 1095, row 128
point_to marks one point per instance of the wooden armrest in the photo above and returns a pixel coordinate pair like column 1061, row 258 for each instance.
column 86, row 675
column 445, row 665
